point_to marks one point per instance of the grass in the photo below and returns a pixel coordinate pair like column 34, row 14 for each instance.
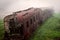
column 49, row 30
column 1, row 30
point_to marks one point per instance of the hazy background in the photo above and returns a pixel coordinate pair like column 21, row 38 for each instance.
column 9, row 6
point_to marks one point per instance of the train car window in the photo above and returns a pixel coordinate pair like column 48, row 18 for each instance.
column 36, row 17
column 30, row 21
column 11, row 23
column 33, row 18
column 21, row 29
column 27, row 24
column 11, row 30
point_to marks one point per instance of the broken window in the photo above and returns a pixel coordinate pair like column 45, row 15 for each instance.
column 21, row 29
column 27, row 24
column 30, row 21
column 11, row 23
column 34, row 18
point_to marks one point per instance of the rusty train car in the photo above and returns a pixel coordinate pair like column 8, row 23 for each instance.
column 20, row 25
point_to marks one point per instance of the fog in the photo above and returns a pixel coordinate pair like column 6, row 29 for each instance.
column 9, row 6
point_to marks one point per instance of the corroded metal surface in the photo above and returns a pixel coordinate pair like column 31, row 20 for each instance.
column 20, row 25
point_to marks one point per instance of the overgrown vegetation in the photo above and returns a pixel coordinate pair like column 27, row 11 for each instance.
column 1, row 30
column 49, row 30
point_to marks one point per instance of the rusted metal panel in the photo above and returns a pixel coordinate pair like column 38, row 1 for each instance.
column 24, row 23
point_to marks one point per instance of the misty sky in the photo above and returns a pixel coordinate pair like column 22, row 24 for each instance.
column 9, row 6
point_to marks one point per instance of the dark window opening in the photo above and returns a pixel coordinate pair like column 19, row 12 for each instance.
column 13, row 29
column 21, row 29
column 27, row 24
column 33, row 18
column 17, row 30
column 30, row 21
column 11, row 26
column 11, row 23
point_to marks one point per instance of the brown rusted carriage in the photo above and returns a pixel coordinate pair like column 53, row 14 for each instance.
column 20, row 25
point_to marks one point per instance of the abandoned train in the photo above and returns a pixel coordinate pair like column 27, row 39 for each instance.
column 20, row 25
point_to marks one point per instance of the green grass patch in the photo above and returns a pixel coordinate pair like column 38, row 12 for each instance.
column 1, row 29
column 49, row 30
